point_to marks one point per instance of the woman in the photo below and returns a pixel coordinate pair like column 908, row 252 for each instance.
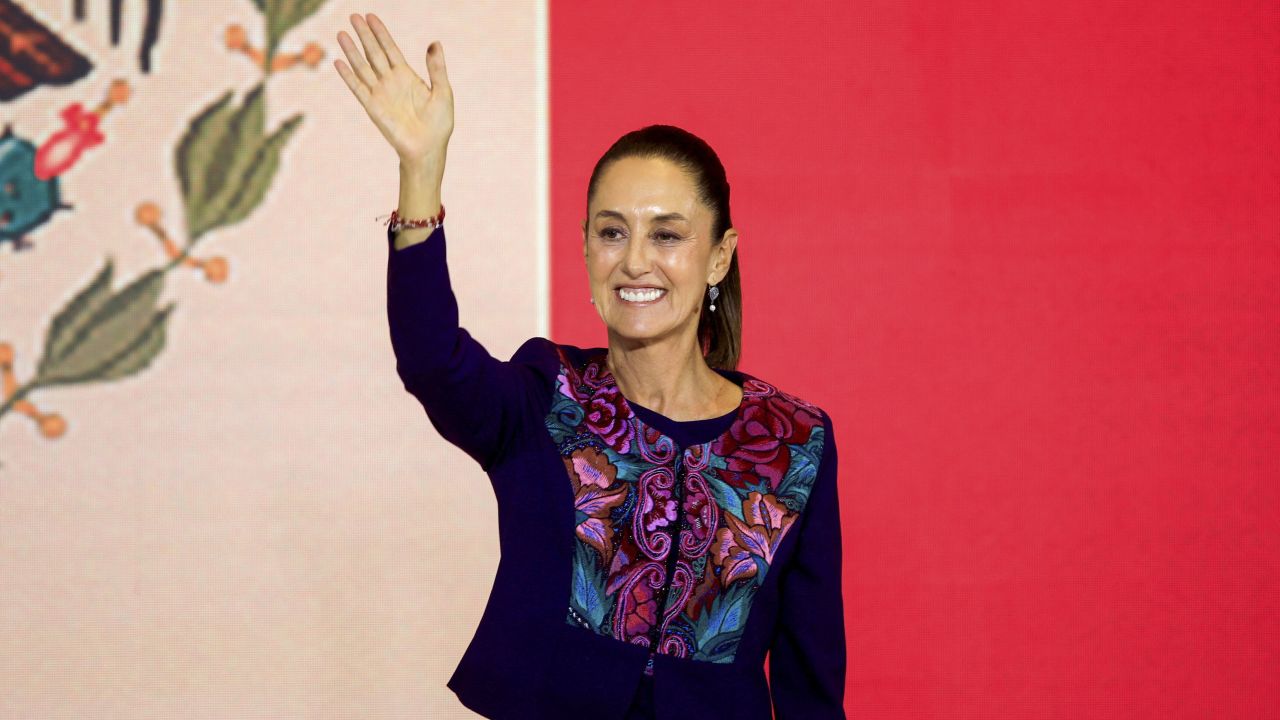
column 664, row 519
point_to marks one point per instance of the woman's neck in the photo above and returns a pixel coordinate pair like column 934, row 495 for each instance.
column 671, row 378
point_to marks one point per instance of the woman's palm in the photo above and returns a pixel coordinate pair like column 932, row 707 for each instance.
column 416, row 118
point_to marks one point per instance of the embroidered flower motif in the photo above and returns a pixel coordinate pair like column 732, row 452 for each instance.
column 757, row 445
column 605, row 418
column 659, row 508
column 739, row 543
column 594, row 498
column 591, row 467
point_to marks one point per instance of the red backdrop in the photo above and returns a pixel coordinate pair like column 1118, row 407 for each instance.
column 1026, row 255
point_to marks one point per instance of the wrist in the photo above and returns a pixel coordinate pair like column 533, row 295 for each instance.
column 425, row 166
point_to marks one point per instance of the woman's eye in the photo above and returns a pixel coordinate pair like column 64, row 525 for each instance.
column 615, row 233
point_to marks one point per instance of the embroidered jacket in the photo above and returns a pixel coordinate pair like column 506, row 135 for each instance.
column 636, row 552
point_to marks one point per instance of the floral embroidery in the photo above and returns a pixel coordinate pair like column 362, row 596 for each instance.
column 670, row 548
column 740, row 546
column 594, row 497
column 757, row 444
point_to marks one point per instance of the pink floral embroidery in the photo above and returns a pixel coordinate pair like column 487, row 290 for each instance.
column 592, row 475
column 605, row 418
column 737, row 545
column 659, row 509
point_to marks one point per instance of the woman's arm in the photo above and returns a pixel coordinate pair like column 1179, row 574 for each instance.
column 807, row 658
column 474, row 400
column 420, row 182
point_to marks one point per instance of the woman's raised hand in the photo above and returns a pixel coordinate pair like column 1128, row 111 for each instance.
column 416, row 118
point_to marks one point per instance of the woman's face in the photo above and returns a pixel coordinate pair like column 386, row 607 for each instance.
column 647, row 245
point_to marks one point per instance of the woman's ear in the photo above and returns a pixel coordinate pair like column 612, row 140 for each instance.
column 584, row 237
column 724, row 253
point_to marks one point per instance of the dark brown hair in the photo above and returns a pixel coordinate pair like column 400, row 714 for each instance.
column 719, row 332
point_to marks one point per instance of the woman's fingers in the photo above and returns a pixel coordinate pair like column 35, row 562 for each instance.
column 358, row 64
column 435, row 67
column 372, row 49
column 411, row 115
column 394, row 57
column 357, row 86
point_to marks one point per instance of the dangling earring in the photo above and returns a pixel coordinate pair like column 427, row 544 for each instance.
column 714, row 292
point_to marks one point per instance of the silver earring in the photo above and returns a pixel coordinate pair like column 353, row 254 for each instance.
column 714, row 292
column 593, row 301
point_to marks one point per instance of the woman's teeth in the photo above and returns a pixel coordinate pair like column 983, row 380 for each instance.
column 631, row 295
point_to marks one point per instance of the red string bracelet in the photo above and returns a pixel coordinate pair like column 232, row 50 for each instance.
column 397, row 222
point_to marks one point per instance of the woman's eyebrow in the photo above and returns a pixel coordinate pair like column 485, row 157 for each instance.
column 669, row 216
column 663, row 217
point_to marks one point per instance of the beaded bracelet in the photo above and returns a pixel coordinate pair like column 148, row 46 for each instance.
column 397, row 222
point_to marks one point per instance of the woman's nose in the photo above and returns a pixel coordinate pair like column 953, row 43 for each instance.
column 636, row 261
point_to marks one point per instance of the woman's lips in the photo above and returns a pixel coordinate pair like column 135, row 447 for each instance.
column 650, row 296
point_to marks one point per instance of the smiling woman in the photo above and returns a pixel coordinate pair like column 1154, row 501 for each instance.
column 660, row 249
column 661, row 219
column 665, row 520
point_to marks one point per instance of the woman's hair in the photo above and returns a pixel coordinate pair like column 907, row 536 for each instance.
column 719, row 332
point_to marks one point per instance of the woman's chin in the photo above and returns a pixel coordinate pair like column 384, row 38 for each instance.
column 640, row 331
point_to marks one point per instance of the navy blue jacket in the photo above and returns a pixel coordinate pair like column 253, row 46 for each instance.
column 647, row 566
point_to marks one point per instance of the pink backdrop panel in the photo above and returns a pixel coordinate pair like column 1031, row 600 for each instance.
column 1026, row 255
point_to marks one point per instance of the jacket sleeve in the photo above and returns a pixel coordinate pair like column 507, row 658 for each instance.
column 807, row 657
column 473, row 400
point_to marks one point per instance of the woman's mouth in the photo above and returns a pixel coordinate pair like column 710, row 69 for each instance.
column 640, row 296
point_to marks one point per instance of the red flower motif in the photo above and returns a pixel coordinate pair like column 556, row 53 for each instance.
column 755, row 446
column 604, row 417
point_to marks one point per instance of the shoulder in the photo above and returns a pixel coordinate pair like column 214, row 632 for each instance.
column 552, row 359
column 539, row 347
column 776, row 401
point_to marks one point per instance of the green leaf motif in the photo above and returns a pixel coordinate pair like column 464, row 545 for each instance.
column 229, row 147
column 139, row 354
column 588, row 596
column 628, row 471
column 564, row 416
column 252, row 188
column 720, row 627
column 720, row 648
column 225, row 164
column 802, row 471
column 725, row 496
column 117, row 337
column 196, row 151
column 73, row 320
column 233, row 154
column 283, row 16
